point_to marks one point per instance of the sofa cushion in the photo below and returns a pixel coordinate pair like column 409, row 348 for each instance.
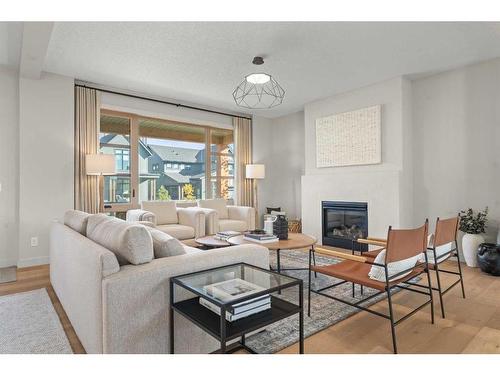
column 77, row 220
column 181, row 232
column 165, row 211
column 236, row 225
column 393, row 268
column 165, row 245
column 131, row 243
column 218, row 205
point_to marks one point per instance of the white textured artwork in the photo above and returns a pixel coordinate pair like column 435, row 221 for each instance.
column 349, row 138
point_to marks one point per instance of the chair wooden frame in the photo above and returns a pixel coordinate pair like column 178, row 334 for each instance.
column 390, row 284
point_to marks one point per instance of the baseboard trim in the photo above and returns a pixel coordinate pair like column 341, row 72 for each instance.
column 4, row 263
column 29, row 262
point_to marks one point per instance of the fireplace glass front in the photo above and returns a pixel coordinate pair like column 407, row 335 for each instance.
column 344, row 223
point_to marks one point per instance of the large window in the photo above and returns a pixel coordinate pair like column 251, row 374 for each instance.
column 165, row 160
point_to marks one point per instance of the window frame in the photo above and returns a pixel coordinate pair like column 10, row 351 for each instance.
column 134, row 120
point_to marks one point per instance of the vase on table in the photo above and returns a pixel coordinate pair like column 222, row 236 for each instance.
column 470, row 244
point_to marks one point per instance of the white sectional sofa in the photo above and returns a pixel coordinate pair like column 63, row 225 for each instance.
column 116, row 292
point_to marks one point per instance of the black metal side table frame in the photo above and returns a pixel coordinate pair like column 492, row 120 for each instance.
column 223, row 330
column 278, row 262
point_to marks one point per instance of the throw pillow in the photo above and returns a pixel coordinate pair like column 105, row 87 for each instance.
column 218, row 205
column 77, row 220
column 165, row 212
column 165, row 245
column 393, row 268
column 131, row 243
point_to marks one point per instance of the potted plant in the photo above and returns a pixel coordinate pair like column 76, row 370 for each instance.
column 473, row 225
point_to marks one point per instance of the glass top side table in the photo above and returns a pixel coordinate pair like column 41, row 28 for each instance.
column 251, row 282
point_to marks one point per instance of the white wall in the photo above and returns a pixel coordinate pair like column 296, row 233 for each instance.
column 46, row 124
column 456, row 123
column 9, row 177
column 279, row 144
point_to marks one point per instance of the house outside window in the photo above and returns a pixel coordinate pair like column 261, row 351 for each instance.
column 122, row 160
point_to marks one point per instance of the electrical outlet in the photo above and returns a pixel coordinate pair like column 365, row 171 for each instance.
column 34, row 241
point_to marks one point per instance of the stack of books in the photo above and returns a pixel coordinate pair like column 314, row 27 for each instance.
column 228, row 290
column 224, row 236
column 261, row 237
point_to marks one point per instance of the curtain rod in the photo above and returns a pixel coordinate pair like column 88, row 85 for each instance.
column 90, row 86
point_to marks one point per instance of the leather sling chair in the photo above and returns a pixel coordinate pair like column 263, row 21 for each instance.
column 402, row 244
column 442, row 246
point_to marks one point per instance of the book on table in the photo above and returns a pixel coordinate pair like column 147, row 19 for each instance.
column 228, row 290
column 271, row 240
column 231, row 317
column 260, row 237
column 225, row 235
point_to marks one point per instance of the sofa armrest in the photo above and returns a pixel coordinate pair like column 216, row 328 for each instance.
column 137, row 302
column 77, row 268
column 141, row 215
column 192, row 217
column 211, row 221
column 243, row 213
column 146, row 223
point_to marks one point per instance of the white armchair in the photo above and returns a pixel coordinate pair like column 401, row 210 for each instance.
column 181, row 223
column 219, row 216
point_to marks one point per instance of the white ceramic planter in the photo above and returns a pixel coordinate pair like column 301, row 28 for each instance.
column 470, row 243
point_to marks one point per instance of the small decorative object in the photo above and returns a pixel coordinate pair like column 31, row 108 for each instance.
column 349, row 138
column 268, row 224
column 295, row 226
column 258, row 90
column 280, row 227
column 472, row 225
column 488, row 257
column 269, row 210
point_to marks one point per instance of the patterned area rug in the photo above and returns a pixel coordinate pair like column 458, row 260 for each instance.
column 325, row 312
column 30, row 325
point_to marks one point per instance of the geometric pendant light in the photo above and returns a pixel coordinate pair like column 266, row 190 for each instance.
column 258, row 90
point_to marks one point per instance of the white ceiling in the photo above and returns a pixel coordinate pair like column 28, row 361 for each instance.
column 202, row 63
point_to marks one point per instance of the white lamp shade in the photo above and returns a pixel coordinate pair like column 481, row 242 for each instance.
column 99, row 164
column 257, row 171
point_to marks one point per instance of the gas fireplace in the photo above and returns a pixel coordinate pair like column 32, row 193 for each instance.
column 344, row 223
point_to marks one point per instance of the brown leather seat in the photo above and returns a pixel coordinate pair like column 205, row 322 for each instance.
column 357, row 273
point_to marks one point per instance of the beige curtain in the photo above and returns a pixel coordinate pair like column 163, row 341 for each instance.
column 243, row 150
column 87, row 124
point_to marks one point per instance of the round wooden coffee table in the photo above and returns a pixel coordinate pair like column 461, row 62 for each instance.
column 211, row 242
column 294, row 241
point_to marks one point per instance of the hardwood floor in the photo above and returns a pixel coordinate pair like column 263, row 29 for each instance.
column 472, row 325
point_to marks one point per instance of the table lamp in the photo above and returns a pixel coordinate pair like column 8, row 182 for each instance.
column 100, row 165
